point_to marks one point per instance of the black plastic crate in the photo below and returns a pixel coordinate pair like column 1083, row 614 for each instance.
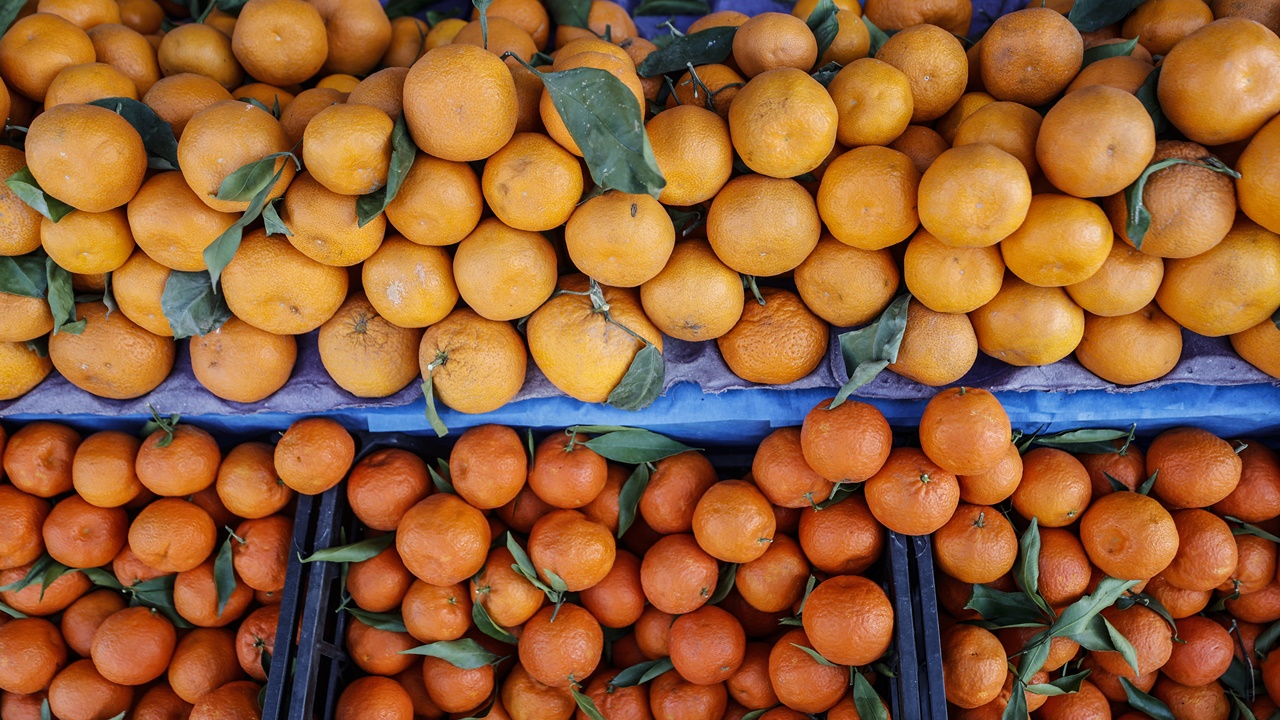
column 323, row 669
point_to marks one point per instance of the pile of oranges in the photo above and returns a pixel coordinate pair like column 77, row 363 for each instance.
column 446, row 201
column 142, row 578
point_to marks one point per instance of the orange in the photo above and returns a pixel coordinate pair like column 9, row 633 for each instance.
column 618, row 600
column 262, row 551
column 201, row 49
column 1026, row 325
column 562, row 652
column 144, row 16
column 358, row 35
column 1095, row 141
column 964, row 430
column 88, row 243
column 34, row 651
column 849, row 443
column 364, row 353
column 302, row 305
column 707, row 645
column 1256, row 497
column 86, row 83
column 974, row 196
column 177, row 99
column 1029, row 56
column 102, row 470
column 38, row 459
column 133, row 646
column 1130, row 349
column 934, row 63
column 281, row 42
column 129, row 570
column 530, row 16
column 439, row 202
column 507, row 596
column 308, row 103
column 1207, row 700
column 840, row 539
column 874, row 102
column 618, row 239
column 385, row 88
column 565, row 473
column 1009, row 126
column 1256, row 346
column 886, row 181
column 1126, row 282
column 937, row 348
column 504, row 36
column 750, row 685
column 237, row 700
column 433, row 613
column 1062, row 241
column 21, row 369
column 1129, row 536
column 524, row 698
column 247, row 484
column 378, row 584
column 532, row 183
column 1207, row 555
column 995, row 484
column 374, row 695
column 1180, row 603
column 977, row 545
column 968, row 104
column 1149, row 634
column 313, row 455
column 849, row 620
column 79, row 691
column 783, row 122
column 800, row 682
column 677, row 575
column 112, row 358
column 763, row 226
column 268, row 95
column 604, row 508
column 19, row 221
column 38, row 600
column 442, row 540
column 1163, row 23
column 1203, row 655
column 734, row 522
column 617, row 702
column 24, row 515
column 974, row 665
column 566, row 543
column 718, row 87
column 138, row 287
column 1125, row 72
column 653, row 632
column 1127, row 466
column 911, row 495
column 1055, row 488
column 780, row 470
column 489, row 465
column 84, row 14
column 1262, row 606
column 38, row 47
column 179, row 463
column 1258, row 170
column 1227, row 289
column 953, row 15
column 694, row 153
column 455, row 689
column 473, row 109
column 675, row 487
column 240, row 363
column 325, row 226
column 476, row 365
column 204, row 158
column 845, row 285
column 1064, row 567
column 773, row 40
column 696, row 296
column 81, row 620
column 504, row 273
column 580, row 352
column 852, row 40
column 802, row 9
column 69, row 142
column 378, row 652
column 775, row 342
column 172, row 225
column 80, row 535
column 671, row 697
column 1197, row 469
column 442, row 34
column 172, row 535
column 951, row 279
column 347, row 149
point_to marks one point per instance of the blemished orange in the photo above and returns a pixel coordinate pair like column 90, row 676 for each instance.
column 763, row 226
column 347, row 148
column 206, row 160
column 974, row 196
column 1129, row 536
column 867, row 197
column 69, row 142
column 912, row 495
column 439, row 202
column 964, row 430
column 88, row 243
column 325, row 226
column 472, row 112
column 934, row 63
column 312, row 296
column 532, row 183
column 443, row 540
column 364, row 353
column 281, row 42
column 775, row 342
column 696, row 296
column 172, row 535
column 476, row 365
column 488, row 465
column 1130, row 349
column 1055, row 488
column 1126, row 282
column 949, row 279
column 1063, row 241
column 783, row 122
column 247, row 483
column 694, row 153
column 313, row 455
column 937, row 348
column 1025, row 325
column 1029, row 56
column 80, row 535
column 112, row 357
column 103, row 469
column 504, row 273
column 773, row 40
column 617, row 239
column 1095, row 142
column 38, row 48
column 1228, row 289
column 977, row 545
column 873, row 102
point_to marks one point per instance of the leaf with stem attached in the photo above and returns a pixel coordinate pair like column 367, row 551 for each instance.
column 224, row 573
column 62, row 299
column 871, row 349
column 629, row 497
column 24, row 185
column 1142, row 702
column 192, row 304
column 866, row 700
column 586, row 705
column 1108, row 50
column 391, row 622
column 355, row 552
column 486, row 625
column 633, row 446
column 824, row 25
column 1138, row 218
column 641, row 673
column 709, row 46
column 403, row 152
column 464, row 654
column 817, row 656
column 1064, row 685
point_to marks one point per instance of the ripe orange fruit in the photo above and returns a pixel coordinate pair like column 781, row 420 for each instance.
column 256, row 637
column 133, row 646
column 81, row 620
column 1203, row 655
column 177, row 98
column 479, row 364
column 80, row 691
column 1180, row 603
column 949, row 279
column 974, row 196
column 524, row 697
column 845, row 285
column 934, row 63
column 561, row 652
column 443, row 540
column 936, row 348
column 1149, row 634
column 802, row 683
column 38, row 48
column 454, row 689
column 1062, row 241
column 965, row 430
column 675, row 486
column 80, row 535
column 489, row 465
column 378, row 652
column 1109, row 346
column 38, row 600
column 995, row 484
column 1257, row 496
column 234, row 700
column 33, row 653
column 1161, row 25
column 968, row 104
column 313, row 455
column 734, row 522
column 324, row 224
column 205, row 159
column 1129, row 536
column 1227, row 289
column 179, row 463
column 783, row 122
column 347, row 149
column 281, row 42
column 775, row 581
column 39, row 457
column 379, row 584
column 21, row 369
column 707, row 645
column 358, row 34
column 954, row 16
column 437, row 612
column 619, row 239
column 774, row 343
column 364, row 353
column 617, row 601
column 1025, row 325
column 849, row 620
column 172, row 535
column 532, row 183
column 974, row 665
column 1064, row 567
column 170, row 223
column 202, row 49
column 1125, row 72
column 20, row 221
column 88, row 243
column 977, row 545
column 1055, row 488
column 911, row 495
column 694, row 153
column 677, row 575
column 1207, row 555
column 82, row 84
column 885, row 182
column 1258, row 171
column 504, row 273
column 578, row 550
column 847, row 444
column 161, row 703
column 617, row 702
column 773, row 40
column 780, row 470
column 473, row 109
column 69, row 141
column 1197, row 469
column 696, row 296
column 410, row 300
column 750, row 685
column 383, row 697
column 566, row 473
column 262, row 552
column 1256, row 346
column 241, row 363
column 247, row 483
column 129, row 570
column 102, row 469
column 721, row 83
column 922, row 144
column 1095, row 142
column 1126, row 282
column 1029, row 56
column 384, row 485
column 763, row 226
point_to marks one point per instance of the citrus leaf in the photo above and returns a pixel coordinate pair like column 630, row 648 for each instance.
column 808, row 590
column 866, row 700
column 878, row 37
column 1142, row 702
column 1138, row 218
column 121, row 715
column 529, row 446
column 869, row 350
column 102, row 578
column 45, row 713
column 11, row 612
column 8, row 13
column 713, row 45
column 1243, row 709
column 822, row 22
column 44, row 562
column 39, row 346
column 1266, row 640
column 817, row 656
column 605, row 121
column 391, row 622
column 586, row 705
column 51, row 575
column 1147, row 93
column 756, row 714
column 464, row 654
column 634, row 445
column 1240, row 678
column 642, row 384
column 1016, row 709
column 486, row 625
column 1116, row 485
column 1077, row 616
column 220, row 252
column 1244, row 528
column 572, row 13
column 629, row 497
column 1026, row 568
column 1034, row 655
column 355, row 552
column 1094, row 441
column 839, row 492
column 157, row 135
column 724, row 583
column 24, row 185
column 224, row 575
column 62, row 299
column 441, row 482
column 825, row 74
column 1145, row 487
column 192, row 304
column 1091, row 15
column 108, row 295
column 1122, row 645
column 673, row 7
column 271, row 221
column 403, row 152
column 1145, row 600
column 247, row 181
column 157, row 593
column 1109, row 50
column 555, row 581
column 1004, row 609
column 1064, row 685
column 24, row 275
column 524, row 566
column 433, row 417
column 641, row 673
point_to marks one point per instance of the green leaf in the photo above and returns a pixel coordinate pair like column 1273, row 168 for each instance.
column 433, row 417
column 441, row 481
column 1005, row 609
column 605, row 121
column 878, row 37
column 724, row 583
column 1064, row 685
column 37, row 570
column 713, row 45
column 1121, row 644
column 1150, row 603
column 1034, row 655
column 1091, row 15
column 586, row 705
column 629, row 497
column 1244, row 528
column 673, row 7
column 1075, row 619
column 1116, row 485
column 1016, row 709
column 1145, row 487
column 825, row 74
column 641, row 673
column 1109, row 50
column 39, row 346
column 271, row 221
column 1266, row 640
column 24, row 185
column 1240, row 678
column 167, row 424
column 246, row 182
column 220, row 252
column 572, row 13
column 102, row 578
column 1138, row 218
column 391, row 622
column 869, row 350
column 555, row 581
column 756, row 714
column 355, row 552
column 192, row 304
column 108, row 295
column 839, row 492
column 1026, row 568
column 822, row 21
column 403, row 152
column 1244, row 713
column 8, row 12
column 464, row 654
column 865, row 699
column 529, row 446
column 121, row 715
column 642, row 384
column 158, row 593
column 1094, row 441
column 817, row 656
column 157, row 135
column 24, row 275
column 486, row 625
column 634, row 445
column 62, row 299
column 45, row 713
column 401, row 8
column 1150, row 98
column 10, row 611
column 524, row 566
column 1142, row 702
column 808, row 590
column 224, row 575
